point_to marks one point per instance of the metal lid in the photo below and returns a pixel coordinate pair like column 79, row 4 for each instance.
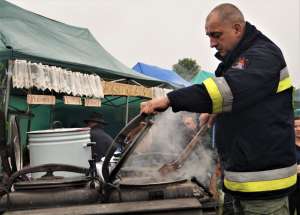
column 141, row 123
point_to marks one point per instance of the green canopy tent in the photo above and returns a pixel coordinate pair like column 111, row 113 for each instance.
column 201, row 76
column 29, row 36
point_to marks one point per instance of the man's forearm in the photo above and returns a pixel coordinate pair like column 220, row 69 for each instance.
column 194, row 99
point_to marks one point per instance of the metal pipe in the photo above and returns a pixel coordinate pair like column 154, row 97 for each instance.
column 118, row 80
column 135, row 82
column 38, row 199
column 155, row 192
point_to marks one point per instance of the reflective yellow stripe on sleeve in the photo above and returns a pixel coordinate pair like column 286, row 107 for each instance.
column 284, row 84
column 215, row 95
column 260, row 186
column 285, row 81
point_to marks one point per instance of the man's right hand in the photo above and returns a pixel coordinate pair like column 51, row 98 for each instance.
column 207, row 118
column 154, row 105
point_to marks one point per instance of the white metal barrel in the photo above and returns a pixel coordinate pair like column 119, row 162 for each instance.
column 63, row 146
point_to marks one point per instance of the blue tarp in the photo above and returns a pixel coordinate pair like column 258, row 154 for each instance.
column 162, row 74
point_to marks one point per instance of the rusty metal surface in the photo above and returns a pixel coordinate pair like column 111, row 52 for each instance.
column 158, row 192
column 187, row 206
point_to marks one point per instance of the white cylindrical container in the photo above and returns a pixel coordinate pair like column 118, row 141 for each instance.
column 62, row 146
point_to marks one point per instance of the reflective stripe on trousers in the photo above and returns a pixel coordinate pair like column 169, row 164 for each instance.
column 262, row 180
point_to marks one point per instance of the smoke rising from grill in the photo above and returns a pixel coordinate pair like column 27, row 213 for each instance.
column 166, row 139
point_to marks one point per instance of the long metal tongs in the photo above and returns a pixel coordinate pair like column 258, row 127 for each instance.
column 178, row 163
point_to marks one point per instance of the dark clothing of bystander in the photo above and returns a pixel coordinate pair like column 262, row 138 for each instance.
column 102, row 139
column 294, row 198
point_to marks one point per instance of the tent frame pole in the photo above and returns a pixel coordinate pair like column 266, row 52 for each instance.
column 127, row 110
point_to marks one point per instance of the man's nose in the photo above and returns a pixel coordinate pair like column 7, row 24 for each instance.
column 213, row 42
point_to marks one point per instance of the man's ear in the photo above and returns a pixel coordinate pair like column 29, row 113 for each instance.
column 237, row 28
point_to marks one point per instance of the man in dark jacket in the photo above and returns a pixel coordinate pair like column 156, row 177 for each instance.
column 251, row 99
column 98, row 135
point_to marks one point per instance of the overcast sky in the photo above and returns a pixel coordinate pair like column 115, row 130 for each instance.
column 159, row 32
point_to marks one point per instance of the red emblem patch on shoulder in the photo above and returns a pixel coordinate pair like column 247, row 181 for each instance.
column 241, row 63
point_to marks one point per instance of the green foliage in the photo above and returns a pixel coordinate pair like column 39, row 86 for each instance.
column 186, row 68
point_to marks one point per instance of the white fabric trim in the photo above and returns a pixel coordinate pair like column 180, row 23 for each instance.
column 284, row 73
column 158, row 92
column 27, row 75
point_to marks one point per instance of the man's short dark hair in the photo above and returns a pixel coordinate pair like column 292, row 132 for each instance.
column 229, row 13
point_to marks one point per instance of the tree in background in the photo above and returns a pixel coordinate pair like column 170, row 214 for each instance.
column 186, row 68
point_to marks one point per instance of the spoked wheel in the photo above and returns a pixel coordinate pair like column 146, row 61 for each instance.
column 5, row 168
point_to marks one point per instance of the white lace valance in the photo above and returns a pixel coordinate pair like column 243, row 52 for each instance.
column 27, row 75
column 158, row 92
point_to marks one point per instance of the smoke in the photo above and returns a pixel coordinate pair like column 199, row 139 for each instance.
column 167, row 138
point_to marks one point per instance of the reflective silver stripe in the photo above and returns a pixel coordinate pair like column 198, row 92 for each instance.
column 225, row 92
column 261, row 175
column 285, row 81
column 284, row 73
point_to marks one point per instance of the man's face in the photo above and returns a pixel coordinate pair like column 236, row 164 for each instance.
column 223, row 36
column 297, row 128
column 189, row 122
